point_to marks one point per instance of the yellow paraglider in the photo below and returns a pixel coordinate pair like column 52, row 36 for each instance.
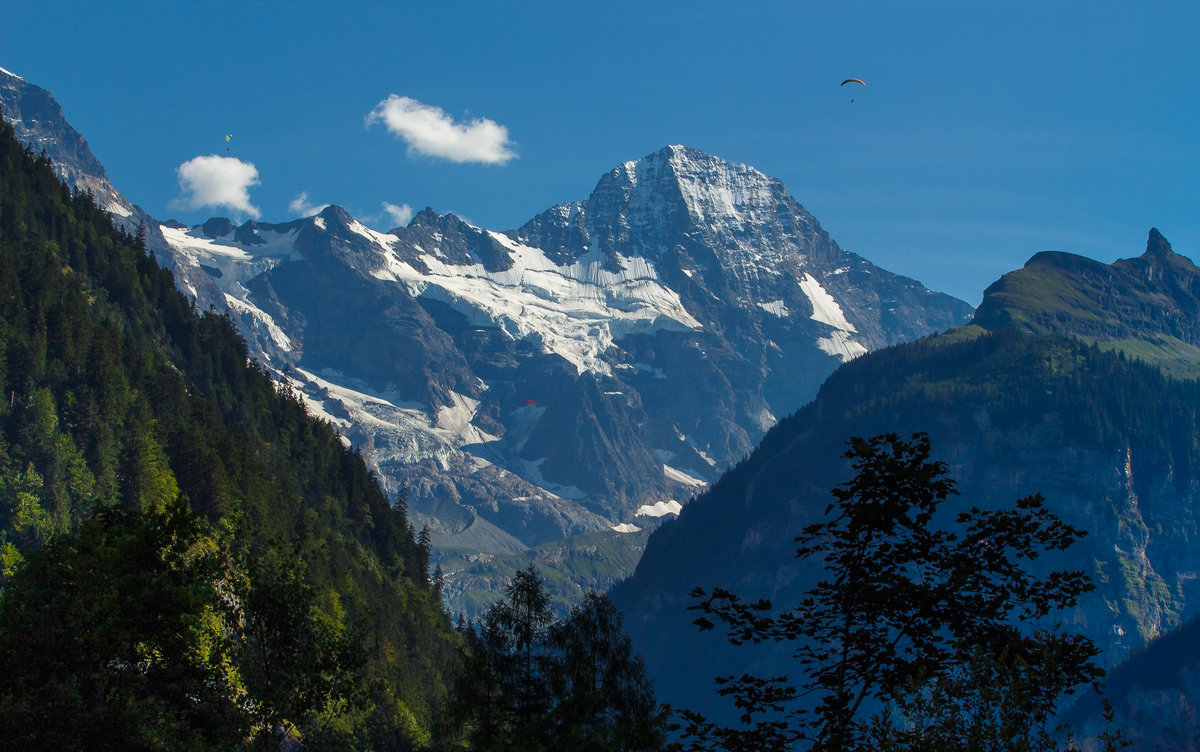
column 228, row 138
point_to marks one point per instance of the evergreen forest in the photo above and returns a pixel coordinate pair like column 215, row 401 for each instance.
column 188, row 559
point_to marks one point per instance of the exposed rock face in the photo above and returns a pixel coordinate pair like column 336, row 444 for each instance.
column 38, row 122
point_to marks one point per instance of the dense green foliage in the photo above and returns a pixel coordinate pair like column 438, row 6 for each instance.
column 530, row 683
column 926, row 634
column 113, row 637
column 301, row 595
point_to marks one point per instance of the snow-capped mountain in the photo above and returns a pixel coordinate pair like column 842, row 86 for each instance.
column 590, row 370
column 611, row 354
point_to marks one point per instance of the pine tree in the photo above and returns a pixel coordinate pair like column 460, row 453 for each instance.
column 525, row 616
column 602, row 699
column 526, row 684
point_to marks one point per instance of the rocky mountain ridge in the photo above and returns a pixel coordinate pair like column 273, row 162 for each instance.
column 584, row 342
column 1145, row 306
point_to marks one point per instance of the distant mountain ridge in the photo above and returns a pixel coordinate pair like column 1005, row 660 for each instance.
column 586, row 372
column 614, row 318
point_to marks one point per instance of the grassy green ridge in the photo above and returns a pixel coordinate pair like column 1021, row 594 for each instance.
column 1145, row 307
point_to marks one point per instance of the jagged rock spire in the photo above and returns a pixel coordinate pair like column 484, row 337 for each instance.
column 1158, row 246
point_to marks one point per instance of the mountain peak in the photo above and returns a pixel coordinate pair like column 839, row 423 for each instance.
column 678, row 154
column 680, row 190
column 427, row 217
column 1157, row 246
column 335, row 213
column 706, row 182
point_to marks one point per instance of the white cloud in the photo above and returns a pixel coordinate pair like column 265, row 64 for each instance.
column 301, row 207
column 216, row 181
column 428, row 130
column 401, row 215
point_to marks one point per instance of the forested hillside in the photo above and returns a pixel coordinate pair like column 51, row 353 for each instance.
column 188, row 560
column 1110, row 443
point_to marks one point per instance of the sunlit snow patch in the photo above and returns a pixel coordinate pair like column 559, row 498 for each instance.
column 115, row 207
column 237, row 263
column 626, row 527
column 262, row 321
column 827, row 311
column 659, row 509
column 682, row 476
column 777, row 308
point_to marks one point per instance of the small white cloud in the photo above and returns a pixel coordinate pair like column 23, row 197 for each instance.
column 216, row 181
column 428, row 130
column 301, row 207
column 400, row 215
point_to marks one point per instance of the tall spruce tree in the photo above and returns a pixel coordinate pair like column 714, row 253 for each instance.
column 602, row 699
column 526, row 684
column 524, row 615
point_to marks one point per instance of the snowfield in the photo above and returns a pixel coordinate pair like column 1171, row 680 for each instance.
column 827, row 311
column 576, row 311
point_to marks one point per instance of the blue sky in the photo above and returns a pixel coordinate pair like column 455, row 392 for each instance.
column 988, row 131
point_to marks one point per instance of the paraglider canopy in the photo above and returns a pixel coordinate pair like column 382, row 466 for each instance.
column 532, row 402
